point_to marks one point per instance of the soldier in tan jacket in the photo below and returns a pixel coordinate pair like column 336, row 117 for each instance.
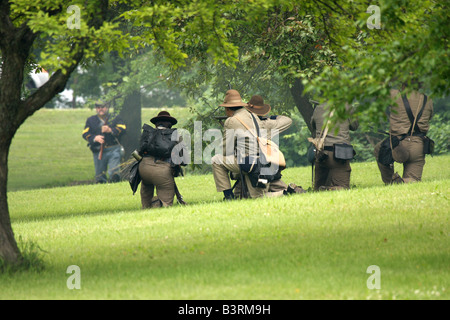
column 237, row 145
column 270, row 127
column 411, row 135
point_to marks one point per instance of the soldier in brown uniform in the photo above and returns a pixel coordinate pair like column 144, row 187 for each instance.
column 410, row 151
column 331, row 173
column 239, row 146
column 157, row 171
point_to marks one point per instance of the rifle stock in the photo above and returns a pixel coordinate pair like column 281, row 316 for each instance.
column 179, row 196
column 100, row 154
column 102, row 146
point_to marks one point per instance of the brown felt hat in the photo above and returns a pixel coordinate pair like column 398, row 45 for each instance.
column 163, row 116
column 233, row 99
column 257, row 106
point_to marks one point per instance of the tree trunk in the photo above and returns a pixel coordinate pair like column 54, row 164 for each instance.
column 302, row 102
column 9, row 252
column 131, row 115
column 15, row 47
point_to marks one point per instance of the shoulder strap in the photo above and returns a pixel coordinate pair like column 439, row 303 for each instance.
column 411, row 117
column 256, row 125
column 246, row 126
column 423, row 107
column 324, row 133
column 408, row 108
column 319, row 142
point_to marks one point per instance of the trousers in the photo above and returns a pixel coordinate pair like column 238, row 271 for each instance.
column 412, row 167
column 331, row 173
column 110, row 163
column 156, row 174
column 222, row 166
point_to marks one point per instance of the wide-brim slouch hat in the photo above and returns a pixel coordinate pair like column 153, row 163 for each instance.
column 164, row 116
column 257, row 106
column 233, row 99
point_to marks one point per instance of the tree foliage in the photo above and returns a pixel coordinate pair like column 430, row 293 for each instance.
column 411, row 47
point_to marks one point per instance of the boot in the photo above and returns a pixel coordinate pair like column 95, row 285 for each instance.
column 228, row 195
column 396, row 179
column 293, row 189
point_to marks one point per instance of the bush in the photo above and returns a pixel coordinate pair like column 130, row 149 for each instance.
column 440, row 133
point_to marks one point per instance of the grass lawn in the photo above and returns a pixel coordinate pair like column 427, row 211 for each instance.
column 310, row 246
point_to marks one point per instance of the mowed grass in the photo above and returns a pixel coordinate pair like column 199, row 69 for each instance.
column 310, row 246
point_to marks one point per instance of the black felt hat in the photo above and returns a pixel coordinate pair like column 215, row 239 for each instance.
column 164, row 116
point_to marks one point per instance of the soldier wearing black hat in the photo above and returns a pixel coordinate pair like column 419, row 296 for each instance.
column 157, row 168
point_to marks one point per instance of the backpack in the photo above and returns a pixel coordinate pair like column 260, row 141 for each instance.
column 157, row 142
column 269, row 151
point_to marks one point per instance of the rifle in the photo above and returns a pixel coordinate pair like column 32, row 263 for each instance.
column 221, row 117
column 178, row 194
column 100, row 154
column 102, row 145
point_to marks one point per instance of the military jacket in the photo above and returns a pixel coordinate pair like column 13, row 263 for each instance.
column 93, row 128
column 237, row 140
column 333, row 137
column 398, row 118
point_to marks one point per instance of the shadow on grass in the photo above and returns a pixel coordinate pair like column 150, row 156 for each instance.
column 124, row 208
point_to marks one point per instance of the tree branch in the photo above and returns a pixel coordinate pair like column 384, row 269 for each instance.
column 52, row 87
column 58, row 80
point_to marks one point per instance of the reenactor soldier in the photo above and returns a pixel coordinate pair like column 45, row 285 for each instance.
column 236, row 148
column 157, row 167
column 271, row 125
column 409, row 121
column 332, row 166
column 102, row 132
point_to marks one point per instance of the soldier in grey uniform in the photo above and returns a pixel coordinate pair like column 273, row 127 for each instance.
column 157, row 172
column 331, row 173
